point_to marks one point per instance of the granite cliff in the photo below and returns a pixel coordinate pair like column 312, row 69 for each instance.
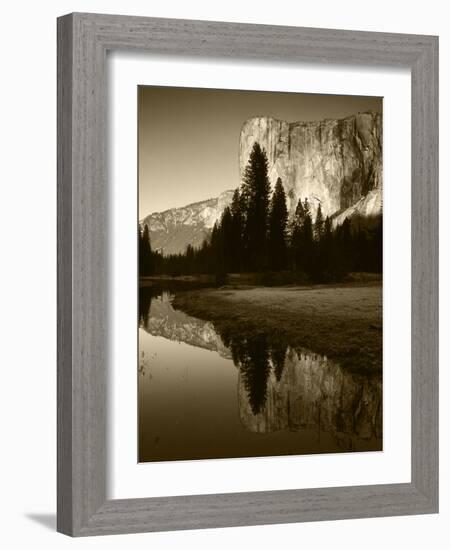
column 337, row 163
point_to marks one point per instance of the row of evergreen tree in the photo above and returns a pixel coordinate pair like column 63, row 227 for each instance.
column 255, row 234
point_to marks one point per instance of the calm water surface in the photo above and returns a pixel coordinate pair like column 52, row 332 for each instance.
column 207, row 395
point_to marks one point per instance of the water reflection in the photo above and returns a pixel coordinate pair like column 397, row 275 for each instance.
column 256, row 357
column 145, row 301
column 279, row 389
column 315, row 393
column 158, row 317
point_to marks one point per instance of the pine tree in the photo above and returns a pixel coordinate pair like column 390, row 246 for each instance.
column 215, row 259
column 343, row 247
column 277, row 228
column 278, row 353
column 307, row 242
column 297, row 221
column 226, row 232
column 327, row 230
column 237, row 224
column 145, row 253
column 319, row 224
column 377, row 246
column 140, row 252
column 255, row 191
column 296, row 236
column 326, row 250
column 255, row 370
column 189, row 260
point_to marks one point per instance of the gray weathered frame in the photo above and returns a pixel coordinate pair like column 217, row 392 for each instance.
column 83, row 40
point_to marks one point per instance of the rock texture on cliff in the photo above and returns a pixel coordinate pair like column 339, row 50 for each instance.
column 337, row 163
column 172, row 230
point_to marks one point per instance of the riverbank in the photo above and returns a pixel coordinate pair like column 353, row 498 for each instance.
column 343, row 322
column 272, row 279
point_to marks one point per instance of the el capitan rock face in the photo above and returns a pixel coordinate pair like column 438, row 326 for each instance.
column 332, row 162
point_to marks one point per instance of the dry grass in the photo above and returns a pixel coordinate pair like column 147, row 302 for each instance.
column 343, row 322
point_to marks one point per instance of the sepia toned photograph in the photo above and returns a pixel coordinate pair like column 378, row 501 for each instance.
column 260, row 248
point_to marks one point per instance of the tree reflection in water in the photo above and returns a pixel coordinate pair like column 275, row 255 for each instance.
column 146, row 293
column 279, row 388
column 278, row 351
column 255, row 357
column 255, row 368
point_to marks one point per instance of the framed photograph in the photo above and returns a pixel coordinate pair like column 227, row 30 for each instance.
column 250, row 298
column 247, row 274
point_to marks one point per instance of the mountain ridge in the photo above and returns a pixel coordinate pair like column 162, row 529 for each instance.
column 173, row 229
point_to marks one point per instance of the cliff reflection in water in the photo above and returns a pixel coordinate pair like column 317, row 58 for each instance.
column 278, row 387
column 285, row 389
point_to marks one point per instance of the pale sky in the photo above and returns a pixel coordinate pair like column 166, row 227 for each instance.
column 189, row 137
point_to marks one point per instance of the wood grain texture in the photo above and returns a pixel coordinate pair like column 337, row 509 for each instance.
column 64, row 266
column 425, row 266
column 83, row 40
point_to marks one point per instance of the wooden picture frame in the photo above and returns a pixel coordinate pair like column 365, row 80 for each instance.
column 83, row 40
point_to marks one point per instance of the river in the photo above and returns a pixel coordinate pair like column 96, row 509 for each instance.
column 208, row 395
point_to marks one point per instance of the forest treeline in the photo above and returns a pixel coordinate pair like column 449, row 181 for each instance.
column 255, row 234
